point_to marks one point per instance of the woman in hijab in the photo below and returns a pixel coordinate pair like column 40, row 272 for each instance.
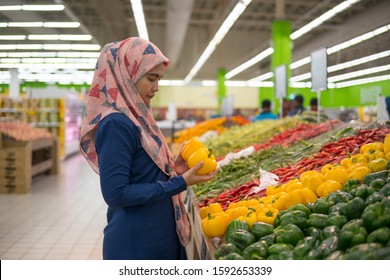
column 140, row 181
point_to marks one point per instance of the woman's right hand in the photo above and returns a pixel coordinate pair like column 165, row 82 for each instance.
column 192, row 178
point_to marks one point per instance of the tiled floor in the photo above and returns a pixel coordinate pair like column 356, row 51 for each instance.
column 61, row 218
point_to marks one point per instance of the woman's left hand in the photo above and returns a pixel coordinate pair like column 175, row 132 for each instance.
column 180, row 165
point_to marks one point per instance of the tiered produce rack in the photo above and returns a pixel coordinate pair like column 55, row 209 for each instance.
column 289, row 148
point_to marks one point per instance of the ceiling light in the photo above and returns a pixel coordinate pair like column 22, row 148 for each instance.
column 262, row 77
column 363, row 81
column 32, row 8
column 321, row 19
column 74, row 24
column 12, row 37
column 61, row 37
column 219, row 35
column 359, row 73
column 25, row 24
column 249, row 63
column 138, row 13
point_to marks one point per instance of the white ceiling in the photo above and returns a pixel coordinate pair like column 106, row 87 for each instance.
column 183, row 28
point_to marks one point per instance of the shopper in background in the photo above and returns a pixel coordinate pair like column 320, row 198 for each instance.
column 120, row 139
column 266, row 113
column 314, row 104
column 297, row 107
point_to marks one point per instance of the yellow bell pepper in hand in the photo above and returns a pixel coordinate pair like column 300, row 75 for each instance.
column 209, row 162
column 213, row 226
column 190, row 147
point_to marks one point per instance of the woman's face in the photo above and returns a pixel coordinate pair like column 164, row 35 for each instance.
column 148, row 85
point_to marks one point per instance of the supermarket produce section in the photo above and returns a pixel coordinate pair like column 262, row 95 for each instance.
column 292, row 189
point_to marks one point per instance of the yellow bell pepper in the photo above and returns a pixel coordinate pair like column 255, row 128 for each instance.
column 313, row 181
column 211, row 208
column 356, row 165
column 271, row 190
column 374, row 146
column 359, row 172
column 280, row 202
column 213, row 226
column 339, row 174
column 249, row 217
column 346, row 162
column 326, row 168
column 328, row 187
column 387, row 156
column 267, row 215
column 296, row 184
column 378, row 164
column 359, row 158
column 190, row 147
column 309, row 195
column 386, row 144
column 209, row 162
column 236, row 212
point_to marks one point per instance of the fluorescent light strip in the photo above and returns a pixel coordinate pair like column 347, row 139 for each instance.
column 38, row 66
column 45, row 8
column 79, row 47
column 344, row 65
column 51, row 54
column 47, row 60
column 13, row 37
column 225, row 27
column 344, row 45
column 249, row 63
column 61, row 37
column 359, row 73
column 262, row 77
column 363, row 81
column 324, row 17
column 41, row 24
column 138, row 13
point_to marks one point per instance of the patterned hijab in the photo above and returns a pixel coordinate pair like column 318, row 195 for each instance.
column 119, row 67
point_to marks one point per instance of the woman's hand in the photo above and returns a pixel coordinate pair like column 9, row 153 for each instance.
column 180, row 165
column 192, row 178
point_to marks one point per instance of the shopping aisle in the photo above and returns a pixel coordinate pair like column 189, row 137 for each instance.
column 61, row 218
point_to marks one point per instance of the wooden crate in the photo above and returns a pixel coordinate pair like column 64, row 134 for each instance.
column 20, row 161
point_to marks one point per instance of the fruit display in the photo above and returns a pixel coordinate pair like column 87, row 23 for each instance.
column 331, row 200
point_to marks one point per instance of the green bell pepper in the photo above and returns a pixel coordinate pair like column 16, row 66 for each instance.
column 351, row 184
column 365, row 251
column 234, row 256
column 352, row 233
column 301, row 207
column 376, row 215
column 382, row 254
column 380, row 235
column 260, row 229
column 242, row 238
column 269, row 239
column 304, row 246
column 296, row 217
column 277, row 248
column 289, row 234
column 376, row 175
column 353, row 209
column 286, row 255
column 255, row 251
column 225, row 249
column 327, row 246
column 377, row 184
column 330, row 231
column 336, row 255
column 317, row 220
column 233, row 226
column 364, row 191
column 322, row 205
column 385, row 189
column 375, row 197
column 339, row 196
column 336, row 219
column 314, row 232
column 336, row 208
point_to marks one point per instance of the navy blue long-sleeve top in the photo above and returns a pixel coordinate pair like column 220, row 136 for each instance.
column 140, row 215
